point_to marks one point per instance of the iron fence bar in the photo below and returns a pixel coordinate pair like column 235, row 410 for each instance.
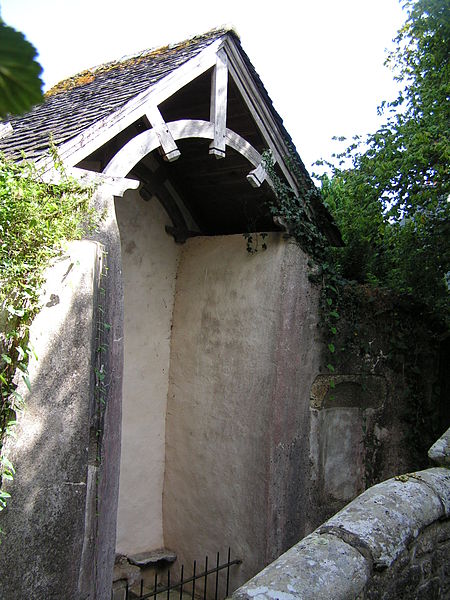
column 217, row 577
column 142, row 587
column 155, row 589
column 206, row 577
column 194, row 578
column 181, row 587
column 228, row 571
column 199, row 576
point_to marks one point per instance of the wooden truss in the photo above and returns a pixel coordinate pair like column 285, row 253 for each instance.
column 225, row 60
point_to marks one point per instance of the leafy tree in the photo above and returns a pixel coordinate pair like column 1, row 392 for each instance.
column 392, row 202
column 20, row 84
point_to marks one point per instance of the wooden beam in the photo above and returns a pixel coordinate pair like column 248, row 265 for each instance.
column 218, row 106
column 168, row 145
column 155, row 185
column 5, row 129
column 144, row 143
column 258, row 109
column 257, row 176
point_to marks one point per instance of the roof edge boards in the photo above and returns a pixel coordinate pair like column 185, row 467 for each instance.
column 258, row 108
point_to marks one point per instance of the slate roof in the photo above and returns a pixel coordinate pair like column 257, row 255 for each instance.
column 74, row 104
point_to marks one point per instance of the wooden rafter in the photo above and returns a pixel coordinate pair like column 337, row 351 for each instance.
column 218, row 106
column 257, row 176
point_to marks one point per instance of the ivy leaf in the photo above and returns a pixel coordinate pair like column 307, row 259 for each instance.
column 7, row 359
column 27, row 382
column 20, row 84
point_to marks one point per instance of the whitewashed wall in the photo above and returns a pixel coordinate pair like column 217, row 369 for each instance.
column 149, row 264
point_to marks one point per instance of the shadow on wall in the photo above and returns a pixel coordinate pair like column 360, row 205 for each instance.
column 42, row 551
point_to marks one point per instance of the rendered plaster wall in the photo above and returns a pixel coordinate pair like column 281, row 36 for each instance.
column 149, row 264
column 390, row 543
column 244, row 353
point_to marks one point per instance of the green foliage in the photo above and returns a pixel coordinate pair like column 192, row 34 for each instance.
column 391, row 204
column 295, row 213
column 20, row 84
column 36, row 218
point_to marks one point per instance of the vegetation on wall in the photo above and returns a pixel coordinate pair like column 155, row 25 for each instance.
column 389, row 195
column 36, row 218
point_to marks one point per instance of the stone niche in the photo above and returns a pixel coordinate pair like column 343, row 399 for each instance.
column 345, row 410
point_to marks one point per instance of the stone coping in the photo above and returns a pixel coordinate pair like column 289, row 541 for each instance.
column 440, row 450
column 337, row 560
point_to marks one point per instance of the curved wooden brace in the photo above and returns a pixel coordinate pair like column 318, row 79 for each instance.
column 147, row 141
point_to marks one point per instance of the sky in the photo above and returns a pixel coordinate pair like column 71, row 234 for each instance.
column 320, row 60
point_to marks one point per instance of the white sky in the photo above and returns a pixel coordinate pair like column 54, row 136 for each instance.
column 320, row 60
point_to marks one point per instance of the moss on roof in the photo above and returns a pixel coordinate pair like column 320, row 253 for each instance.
column 129, row 62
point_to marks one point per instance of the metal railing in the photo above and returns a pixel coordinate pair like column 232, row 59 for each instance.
column 196, row 592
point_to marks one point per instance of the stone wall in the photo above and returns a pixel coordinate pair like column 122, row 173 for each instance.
column 384, row 404
column 392, row 542
column 60, row 523
column 45, row 525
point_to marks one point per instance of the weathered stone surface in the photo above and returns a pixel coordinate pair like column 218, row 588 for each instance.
column 320, row 567
column 439, row 480
column 44, row 524
column 149, row 267
column 98, row 560
column 123, row 570
column 407, row 535
column 389, row 516
column 144, row 559
column 440, row 450
column 357, row 390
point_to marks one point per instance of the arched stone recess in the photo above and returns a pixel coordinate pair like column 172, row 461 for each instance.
column 147, row 141
column 346, row 432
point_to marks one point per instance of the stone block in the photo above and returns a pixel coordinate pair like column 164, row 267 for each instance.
column 388, row 517
column 320, row 567
column 147, row 559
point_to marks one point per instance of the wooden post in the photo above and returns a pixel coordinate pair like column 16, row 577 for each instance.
column 218, row 107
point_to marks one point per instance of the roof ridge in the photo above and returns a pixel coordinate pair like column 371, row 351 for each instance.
column 88, row 75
